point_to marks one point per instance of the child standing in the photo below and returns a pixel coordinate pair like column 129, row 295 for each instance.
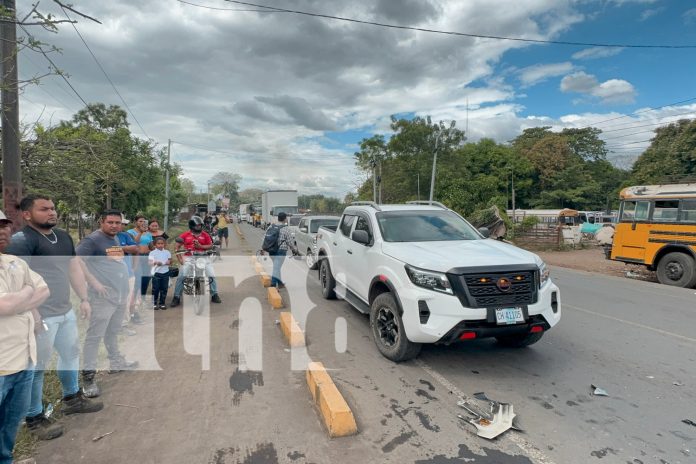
column 160, row 259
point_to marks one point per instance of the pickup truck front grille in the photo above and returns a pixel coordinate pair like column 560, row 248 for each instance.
column 496, row 289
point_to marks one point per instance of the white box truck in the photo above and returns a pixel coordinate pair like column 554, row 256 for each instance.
column 274, row 202
column 244, row 212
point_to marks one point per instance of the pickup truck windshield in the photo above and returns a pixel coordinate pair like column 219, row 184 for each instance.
column 424, row 226
column 317, row 223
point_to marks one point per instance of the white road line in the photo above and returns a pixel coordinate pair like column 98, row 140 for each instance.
column 529, row 449
column 635, row 324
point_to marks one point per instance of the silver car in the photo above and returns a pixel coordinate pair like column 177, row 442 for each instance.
column 306, row 233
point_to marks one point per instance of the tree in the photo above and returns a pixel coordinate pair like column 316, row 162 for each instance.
column 226, row 184
column 671, row 157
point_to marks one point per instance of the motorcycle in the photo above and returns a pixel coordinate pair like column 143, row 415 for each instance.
column 197, row 279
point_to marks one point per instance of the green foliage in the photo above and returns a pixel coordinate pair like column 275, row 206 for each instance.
column 671, row 156
column 93, row 162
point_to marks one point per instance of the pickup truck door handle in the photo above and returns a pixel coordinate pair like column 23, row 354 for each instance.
column 350, row 252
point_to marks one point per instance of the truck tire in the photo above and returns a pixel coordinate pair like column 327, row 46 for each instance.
column 326, row 280
column 520, row 340
column 388, row 330
column 677, row 269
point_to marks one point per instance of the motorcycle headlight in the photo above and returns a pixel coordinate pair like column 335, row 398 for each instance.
column 544, row 273
column 201, row 263
column 431, row 280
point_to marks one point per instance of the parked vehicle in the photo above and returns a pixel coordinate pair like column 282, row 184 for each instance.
column 657, row 229
column 244, row 211
column 306, row 234
column 273, row 202
column 425, row 275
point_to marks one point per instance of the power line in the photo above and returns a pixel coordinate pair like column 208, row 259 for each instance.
column 60, row 73
column 644, row 111
column 462, row 34
column 104, row 72
column 225, row 9
column 650, row 125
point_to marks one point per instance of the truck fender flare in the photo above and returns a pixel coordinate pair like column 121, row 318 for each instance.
column 384, row 280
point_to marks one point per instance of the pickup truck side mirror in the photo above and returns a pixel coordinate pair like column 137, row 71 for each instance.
column 484, row 231
column 303, row 230
column 361, row 236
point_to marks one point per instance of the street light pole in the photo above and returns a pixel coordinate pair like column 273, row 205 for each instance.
column 166, row 186
column 432, row 179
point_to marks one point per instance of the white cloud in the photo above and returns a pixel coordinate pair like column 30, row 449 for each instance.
column 611, row 91
column 596, row 52
column 538, row 73
column 689, row 16
column 649, row 13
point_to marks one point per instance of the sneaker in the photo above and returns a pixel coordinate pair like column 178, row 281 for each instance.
column 280, row 285
column 122, row 365
column 175, row 302
column 155, row 307
column 89, row 387
column 136, row 319
column 163, row 307
column 43, row 427
column 216, row 298
column 80, row 404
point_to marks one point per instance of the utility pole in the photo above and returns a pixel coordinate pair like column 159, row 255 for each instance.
column 166, row 186
column 380, row 183
column 374, row 179
column 11, row 168
column 432, row 179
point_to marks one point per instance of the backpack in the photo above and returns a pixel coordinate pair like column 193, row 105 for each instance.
column 271, row 240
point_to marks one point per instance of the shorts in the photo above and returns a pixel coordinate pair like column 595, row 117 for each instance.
column 223, row 232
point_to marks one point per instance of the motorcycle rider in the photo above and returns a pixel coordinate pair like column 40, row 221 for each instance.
column 195, row 240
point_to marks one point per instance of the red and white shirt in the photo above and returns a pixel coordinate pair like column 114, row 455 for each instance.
column 188, row 237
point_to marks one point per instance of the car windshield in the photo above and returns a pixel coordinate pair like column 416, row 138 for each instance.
column 424, row 226
column 317, row 223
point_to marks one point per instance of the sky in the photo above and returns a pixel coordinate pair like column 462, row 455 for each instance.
column 284, row 100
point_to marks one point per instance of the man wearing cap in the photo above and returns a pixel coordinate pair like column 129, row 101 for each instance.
column 21, row 292
column 50, row 253
column 102, row 260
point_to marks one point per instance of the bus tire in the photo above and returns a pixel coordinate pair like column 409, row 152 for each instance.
column 677, row 269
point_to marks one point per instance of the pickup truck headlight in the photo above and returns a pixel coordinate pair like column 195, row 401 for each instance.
column 429, row 279
column 544, row 273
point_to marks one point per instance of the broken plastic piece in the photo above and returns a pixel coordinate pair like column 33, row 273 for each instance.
column 596, row 391
column 503, row 415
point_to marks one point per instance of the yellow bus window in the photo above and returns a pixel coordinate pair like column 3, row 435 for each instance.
column 666, row 211
column 635, row 210
column 688, row 211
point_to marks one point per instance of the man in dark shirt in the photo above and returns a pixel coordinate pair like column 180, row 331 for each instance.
column 50, row 253
column 102, row 261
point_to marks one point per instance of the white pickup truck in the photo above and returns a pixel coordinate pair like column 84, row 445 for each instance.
column 425, row 275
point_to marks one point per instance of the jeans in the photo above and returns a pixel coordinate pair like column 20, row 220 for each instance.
column 105, row 324
column 187, row 269
column 61, row 334
column 15, row 394
column 144, row 283
column 160, row 285
column 278, row 261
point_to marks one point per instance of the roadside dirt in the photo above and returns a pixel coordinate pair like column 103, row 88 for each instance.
column 592, row 260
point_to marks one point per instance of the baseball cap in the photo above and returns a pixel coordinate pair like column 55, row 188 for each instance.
column 124, row 221
column 3, row 218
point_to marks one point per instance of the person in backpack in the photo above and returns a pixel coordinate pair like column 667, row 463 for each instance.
column 276, row 242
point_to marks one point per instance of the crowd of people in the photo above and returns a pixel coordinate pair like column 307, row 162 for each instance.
column 109, row 271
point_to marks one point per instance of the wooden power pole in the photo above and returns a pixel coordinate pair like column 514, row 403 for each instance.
column 9, row 117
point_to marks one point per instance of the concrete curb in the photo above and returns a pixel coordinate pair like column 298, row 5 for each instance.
column 274, row 298
column 265, row 279
column 334, row 409
column 291, row 330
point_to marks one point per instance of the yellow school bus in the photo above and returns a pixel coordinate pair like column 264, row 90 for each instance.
column 657, row 228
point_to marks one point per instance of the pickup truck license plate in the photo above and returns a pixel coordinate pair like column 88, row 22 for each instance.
column 505, row 316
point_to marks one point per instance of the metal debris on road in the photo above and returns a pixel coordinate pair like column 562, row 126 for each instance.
column 689, row 422
column 596, row 391
column 102, row 436
column 503, row 416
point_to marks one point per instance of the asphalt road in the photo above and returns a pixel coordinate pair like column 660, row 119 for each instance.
column 634, row 339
